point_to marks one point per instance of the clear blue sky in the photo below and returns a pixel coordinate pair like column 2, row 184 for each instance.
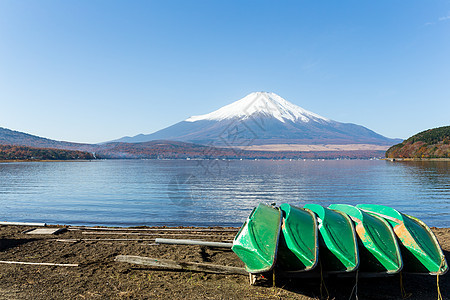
column 92, row 71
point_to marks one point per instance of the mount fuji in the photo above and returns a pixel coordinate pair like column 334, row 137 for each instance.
column 264, row 119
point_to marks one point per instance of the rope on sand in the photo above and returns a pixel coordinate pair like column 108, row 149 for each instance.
column 322, row 282
column 405, row 295
column 355, row 287
column 438, row 289
column 437, row 278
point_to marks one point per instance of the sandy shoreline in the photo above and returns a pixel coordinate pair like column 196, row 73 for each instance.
column 98, row 276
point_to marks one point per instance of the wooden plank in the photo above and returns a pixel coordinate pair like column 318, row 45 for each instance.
column 174, row 265
column 155, row 229
column 23, row 224
column 45, row 231
column 192, row 242
column 37, row 264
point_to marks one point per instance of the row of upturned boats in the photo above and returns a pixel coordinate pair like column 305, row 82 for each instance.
column 373, row 239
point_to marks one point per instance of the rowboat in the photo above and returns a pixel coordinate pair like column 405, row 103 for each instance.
column 380, row 252
column 420, row 249
column 256, row 243
column 337, row 240
column 298, row 249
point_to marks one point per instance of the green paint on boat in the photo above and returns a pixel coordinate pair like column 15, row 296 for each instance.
column 420, row 248
column 298, row 249
column 337, row 240
column 256, row 243
column 380, row 251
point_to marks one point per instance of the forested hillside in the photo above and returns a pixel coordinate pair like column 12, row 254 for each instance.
column 432, row 143
column 8, row 152
column 12, row 137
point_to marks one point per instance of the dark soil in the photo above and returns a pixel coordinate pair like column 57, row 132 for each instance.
column 98, row 276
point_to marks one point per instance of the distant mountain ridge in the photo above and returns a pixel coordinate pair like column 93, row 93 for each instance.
column 431, row 143
column 263, row 118
column 12, row 146
column 12, row 137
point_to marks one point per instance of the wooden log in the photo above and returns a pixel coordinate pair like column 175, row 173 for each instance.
column 192, row 242
column 37, row 264
column 174, row 265
column 90, row 240
column 155, row 229
column 23, row 224
column 155, row 234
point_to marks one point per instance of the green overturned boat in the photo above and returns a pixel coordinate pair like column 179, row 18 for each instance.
column 420, row 249
column 337, row 240
column 256, row 243
column 380, row 252
column 298, row 250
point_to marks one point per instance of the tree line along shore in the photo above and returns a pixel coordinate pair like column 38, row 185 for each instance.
column 430, row 144
column 23, row 153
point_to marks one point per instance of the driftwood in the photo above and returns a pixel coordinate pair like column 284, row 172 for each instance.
column 192, row 242
column 174, row 265
column 37, row 264
column 66, row 240
column 154, row 229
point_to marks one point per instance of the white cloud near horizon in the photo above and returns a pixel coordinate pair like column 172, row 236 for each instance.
column 440, row 19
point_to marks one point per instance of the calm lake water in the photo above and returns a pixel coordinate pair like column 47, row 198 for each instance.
column 204, row 193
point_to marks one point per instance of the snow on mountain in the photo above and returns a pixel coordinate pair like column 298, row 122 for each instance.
column 262, row 104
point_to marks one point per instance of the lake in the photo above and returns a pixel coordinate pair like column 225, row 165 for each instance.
column 212, row 192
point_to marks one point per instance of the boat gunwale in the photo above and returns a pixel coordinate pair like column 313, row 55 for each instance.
column 387, row 225
column 247, row 223
column 316, row 239
column 422, row 224
column 397, row 246
column 428, row 229
column 355, row 240
column 354, row 237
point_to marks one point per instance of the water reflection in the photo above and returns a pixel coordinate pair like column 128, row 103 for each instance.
column 181, row 192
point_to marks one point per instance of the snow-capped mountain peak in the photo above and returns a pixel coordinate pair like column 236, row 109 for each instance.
column 261, row 104
column 263, row 119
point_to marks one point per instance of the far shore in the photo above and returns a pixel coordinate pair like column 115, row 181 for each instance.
column 315, row 147
column 416, row 159
column 42, row 160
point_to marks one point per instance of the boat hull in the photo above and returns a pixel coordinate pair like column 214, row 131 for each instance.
column 379, row 251
column 256, row 243
column 420, row 248
column 337, row 240
column 298, row 249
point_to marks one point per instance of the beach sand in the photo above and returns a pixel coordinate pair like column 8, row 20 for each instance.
column 98, row 276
